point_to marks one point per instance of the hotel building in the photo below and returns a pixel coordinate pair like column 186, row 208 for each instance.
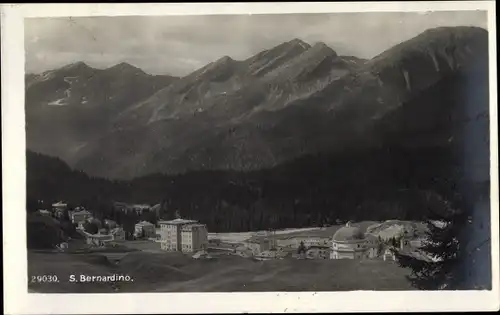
column 182, row 235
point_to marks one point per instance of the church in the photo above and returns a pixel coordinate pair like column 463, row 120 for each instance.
column 350, row 243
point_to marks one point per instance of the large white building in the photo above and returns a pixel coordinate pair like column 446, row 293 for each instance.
column 349, row 243
column 194, row 237
column 176, row 235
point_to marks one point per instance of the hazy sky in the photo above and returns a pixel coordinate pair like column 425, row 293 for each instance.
column 178, row 45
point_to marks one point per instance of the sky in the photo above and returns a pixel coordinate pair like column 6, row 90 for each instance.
column 178, row 45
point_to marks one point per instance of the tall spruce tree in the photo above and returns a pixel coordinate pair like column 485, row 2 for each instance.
column 441, row 247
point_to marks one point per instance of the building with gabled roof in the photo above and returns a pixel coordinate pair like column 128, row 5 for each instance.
column 78, row 217
column 118, row 234
column 144, row 229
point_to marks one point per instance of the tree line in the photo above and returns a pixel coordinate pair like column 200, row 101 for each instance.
column 311, row 191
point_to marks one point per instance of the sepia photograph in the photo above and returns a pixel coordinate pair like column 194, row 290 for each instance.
column 267, row 152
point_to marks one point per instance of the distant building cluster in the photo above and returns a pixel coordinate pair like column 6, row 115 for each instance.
column 108, row 230
column 191, row 236
column 348, row 242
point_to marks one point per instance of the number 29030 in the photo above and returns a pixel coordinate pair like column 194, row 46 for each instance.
column 44, row 279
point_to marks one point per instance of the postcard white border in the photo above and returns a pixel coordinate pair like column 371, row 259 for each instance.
column 18, row 301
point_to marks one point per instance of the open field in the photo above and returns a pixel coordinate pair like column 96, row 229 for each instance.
column 175, row 272
column 144, row 245
column 325, row 231
column 154, row 270
column 243, row 236
column 285, row 233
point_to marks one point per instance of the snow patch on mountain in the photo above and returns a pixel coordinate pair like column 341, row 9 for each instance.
column 407, row 79
column 434, row 60
column 67, row 93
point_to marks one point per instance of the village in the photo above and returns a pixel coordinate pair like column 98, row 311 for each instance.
column 370, row 240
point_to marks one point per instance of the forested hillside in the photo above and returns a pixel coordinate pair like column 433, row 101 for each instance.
column 314, row 190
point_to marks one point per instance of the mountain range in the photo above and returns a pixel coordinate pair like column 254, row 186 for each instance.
column 291, row 101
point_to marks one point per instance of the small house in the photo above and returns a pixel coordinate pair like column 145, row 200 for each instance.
column 59, row 206
column 110, row 224
column 288, row 242
column 144, row 229
column 79, row 216
column 373, row 245
column 286, row 252
column 202, row 255
column 44, row 212
column 118, row 234
column 389, row 255
column 157, row 236
column 318, row 252
column 258, row 245
column 81, row 225
column 268, row 255
column 309, row 241
column 243, row 251
column 99, row 240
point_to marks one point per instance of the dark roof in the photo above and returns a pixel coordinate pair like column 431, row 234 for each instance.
column 348, row 233
column 178, row 221
column 371, row 237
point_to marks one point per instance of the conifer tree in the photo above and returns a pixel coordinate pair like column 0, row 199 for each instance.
column 441, row 247
column 302, row 248
column 380, row 246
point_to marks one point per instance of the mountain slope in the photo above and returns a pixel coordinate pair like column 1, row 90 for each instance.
column 224, row 87
column 295, row 100
column 69, row 106
column 214, row 101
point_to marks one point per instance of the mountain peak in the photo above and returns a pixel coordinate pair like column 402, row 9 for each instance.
column 442, row 41
column 224, row 59
column 299, row 42
column 80, row 65
column 123, row 66
column 320, row 46
column 455, row 29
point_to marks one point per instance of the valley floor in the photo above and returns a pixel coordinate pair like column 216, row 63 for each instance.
column 175, row 272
